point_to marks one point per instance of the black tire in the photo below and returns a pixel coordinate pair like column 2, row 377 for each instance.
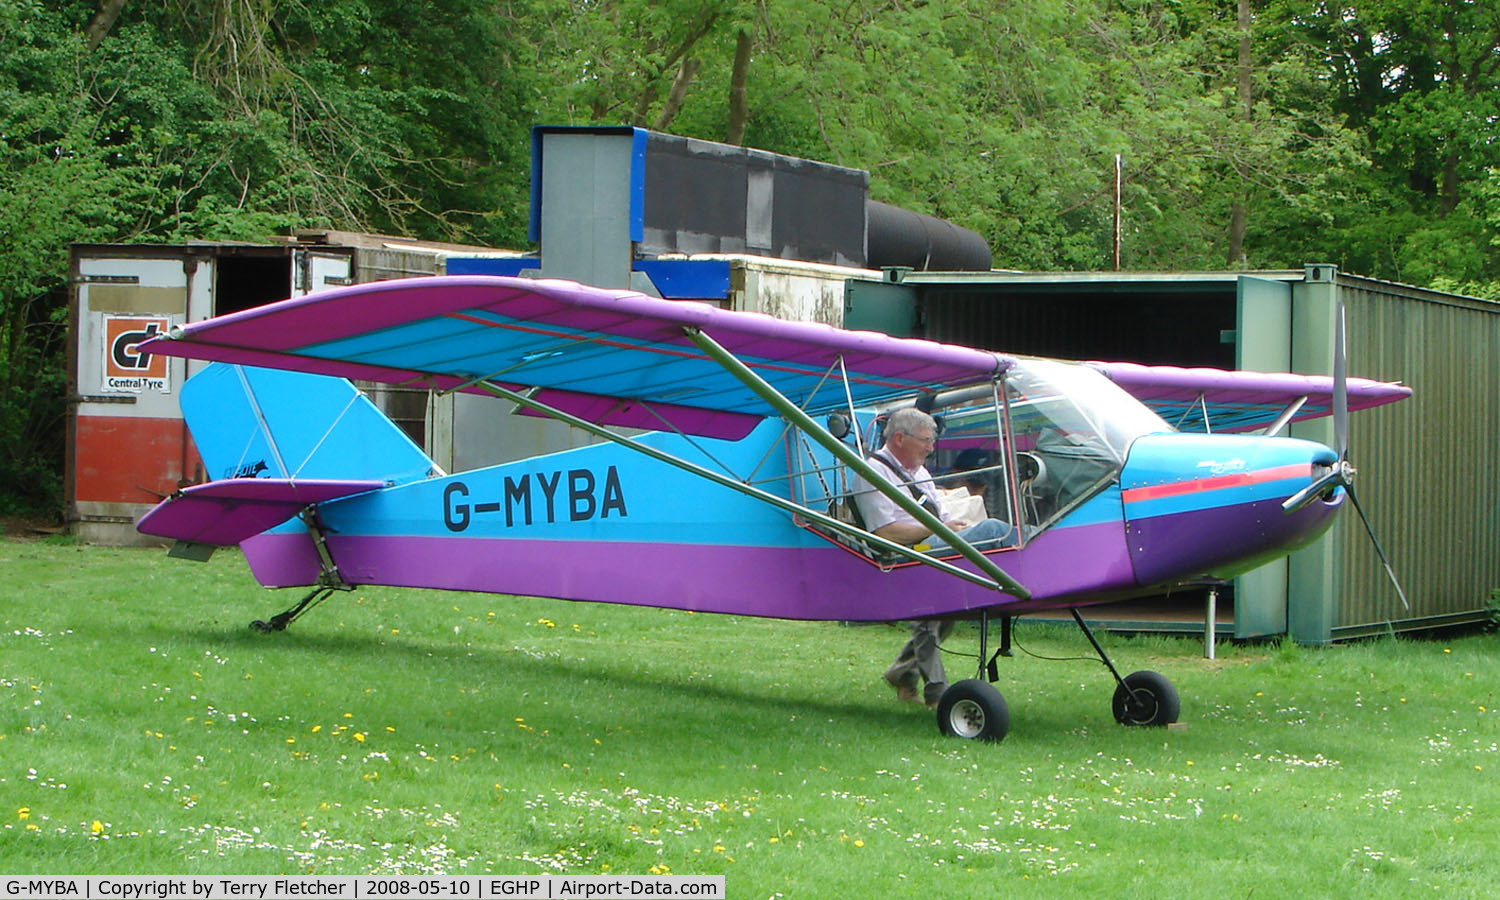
column 974, row 710
column 1156, row 701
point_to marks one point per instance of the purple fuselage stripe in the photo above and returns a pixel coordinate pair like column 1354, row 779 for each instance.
column 1198, row 542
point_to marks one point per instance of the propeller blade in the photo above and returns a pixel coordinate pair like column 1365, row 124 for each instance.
column 1340, row 386
column 1310, row 493
column 1385, row 560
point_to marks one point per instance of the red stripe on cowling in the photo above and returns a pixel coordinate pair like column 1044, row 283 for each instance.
column 1217, row 482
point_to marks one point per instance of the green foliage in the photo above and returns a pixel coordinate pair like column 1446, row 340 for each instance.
column 65, row 175
column 1420, row 83
column 1357, row 133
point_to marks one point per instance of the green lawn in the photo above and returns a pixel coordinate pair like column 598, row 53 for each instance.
column 144, row 729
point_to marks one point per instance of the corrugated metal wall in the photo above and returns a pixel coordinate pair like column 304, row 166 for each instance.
column 1428, row 471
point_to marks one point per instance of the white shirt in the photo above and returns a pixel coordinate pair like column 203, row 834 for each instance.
column 876, row 508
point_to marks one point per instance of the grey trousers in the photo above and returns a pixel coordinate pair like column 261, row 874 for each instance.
column 921, row 658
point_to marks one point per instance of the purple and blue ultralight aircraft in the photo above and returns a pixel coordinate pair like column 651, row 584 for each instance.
column 737, row 498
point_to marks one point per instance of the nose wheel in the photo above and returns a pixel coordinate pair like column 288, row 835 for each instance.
column 1146, row 698
column 1142, row 698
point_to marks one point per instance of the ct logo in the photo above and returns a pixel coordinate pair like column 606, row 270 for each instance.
column 124, row 349
column 126, row 368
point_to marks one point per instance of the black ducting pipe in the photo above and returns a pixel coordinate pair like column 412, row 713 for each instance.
column 900, row 237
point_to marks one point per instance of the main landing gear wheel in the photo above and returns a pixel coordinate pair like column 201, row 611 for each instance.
column 974, row 710
column 1150, row 700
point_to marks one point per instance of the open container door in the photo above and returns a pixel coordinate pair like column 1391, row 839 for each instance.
column 1263, row 322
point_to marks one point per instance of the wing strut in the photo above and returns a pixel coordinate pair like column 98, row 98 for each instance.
column 1286, row 416
column 746, row 489
column 853, row 460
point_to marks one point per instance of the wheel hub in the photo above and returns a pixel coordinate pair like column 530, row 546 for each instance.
column 966, row 718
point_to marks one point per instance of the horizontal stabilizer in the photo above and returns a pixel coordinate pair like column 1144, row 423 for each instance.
column 223, row 513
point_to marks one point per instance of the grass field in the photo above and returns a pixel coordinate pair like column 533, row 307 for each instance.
column 144, row 729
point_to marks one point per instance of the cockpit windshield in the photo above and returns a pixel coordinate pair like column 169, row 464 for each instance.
column 1071, row 428
column 1077, row 402
column 1068, row 433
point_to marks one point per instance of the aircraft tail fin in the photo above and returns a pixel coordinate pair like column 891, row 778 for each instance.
column 269, row 423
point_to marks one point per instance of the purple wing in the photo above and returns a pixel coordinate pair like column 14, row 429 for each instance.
column 616, row 357
column 1240, row 401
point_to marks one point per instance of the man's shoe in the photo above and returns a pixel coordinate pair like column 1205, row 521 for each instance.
column 906, row 691
column 932, row 697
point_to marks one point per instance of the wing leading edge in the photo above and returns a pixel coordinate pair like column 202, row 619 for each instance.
column 614, row 357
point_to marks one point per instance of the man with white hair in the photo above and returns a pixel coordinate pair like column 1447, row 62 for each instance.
column 910, row 436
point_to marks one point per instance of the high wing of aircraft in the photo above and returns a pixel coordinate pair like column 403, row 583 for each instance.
column 737, row 500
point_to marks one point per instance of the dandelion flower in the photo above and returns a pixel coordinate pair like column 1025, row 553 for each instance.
column 359, row 736
column 97, row 827
column 23, row 813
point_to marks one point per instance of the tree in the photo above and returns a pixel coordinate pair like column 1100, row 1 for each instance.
column 1420, row 79
column 209, row 119
column 65, row 175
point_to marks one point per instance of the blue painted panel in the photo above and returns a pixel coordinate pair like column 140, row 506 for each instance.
column 1102, row 507
column 638, row 184
column 492, row 265
column 675, row 279
column 688, row 279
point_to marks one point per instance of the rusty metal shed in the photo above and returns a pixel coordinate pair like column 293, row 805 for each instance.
column 1429, row 477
